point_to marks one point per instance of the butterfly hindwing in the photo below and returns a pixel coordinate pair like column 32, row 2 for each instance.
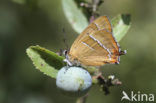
column 96, row 45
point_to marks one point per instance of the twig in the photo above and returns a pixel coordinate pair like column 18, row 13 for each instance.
column 92, row 8
column 106, row 83
column 82, row 99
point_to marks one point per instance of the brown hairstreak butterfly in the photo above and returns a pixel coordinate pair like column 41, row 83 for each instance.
column 95, row 46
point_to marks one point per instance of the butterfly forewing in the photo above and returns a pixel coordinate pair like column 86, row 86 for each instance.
column 103, row 23
column 96, row 45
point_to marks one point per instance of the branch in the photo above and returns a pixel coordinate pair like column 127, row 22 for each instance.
column 82, row 99
column 106, row 83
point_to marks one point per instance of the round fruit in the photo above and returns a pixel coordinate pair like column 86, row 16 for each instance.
column 74, row 80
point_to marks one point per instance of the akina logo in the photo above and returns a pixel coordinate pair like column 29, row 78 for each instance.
column 137, row 96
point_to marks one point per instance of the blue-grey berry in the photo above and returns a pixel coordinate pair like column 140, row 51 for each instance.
column 74, row 80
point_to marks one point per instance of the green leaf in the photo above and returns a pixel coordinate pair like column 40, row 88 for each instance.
column 44, row 60
column 74, row 15
column 79, row 22
column 49, row 62
column 121, row 25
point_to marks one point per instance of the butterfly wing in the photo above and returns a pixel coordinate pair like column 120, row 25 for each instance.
column 96, row 46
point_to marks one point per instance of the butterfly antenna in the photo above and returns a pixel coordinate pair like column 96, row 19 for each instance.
column 65, row 40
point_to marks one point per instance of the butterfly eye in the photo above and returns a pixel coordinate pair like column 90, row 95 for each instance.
column 65, row 52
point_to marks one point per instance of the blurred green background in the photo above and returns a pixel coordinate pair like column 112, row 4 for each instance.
column 40, row 22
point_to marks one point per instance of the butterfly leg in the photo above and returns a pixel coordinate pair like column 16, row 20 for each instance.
column 68, row 62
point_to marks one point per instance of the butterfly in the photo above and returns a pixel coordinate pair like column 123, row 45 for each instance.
column 95, row 46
